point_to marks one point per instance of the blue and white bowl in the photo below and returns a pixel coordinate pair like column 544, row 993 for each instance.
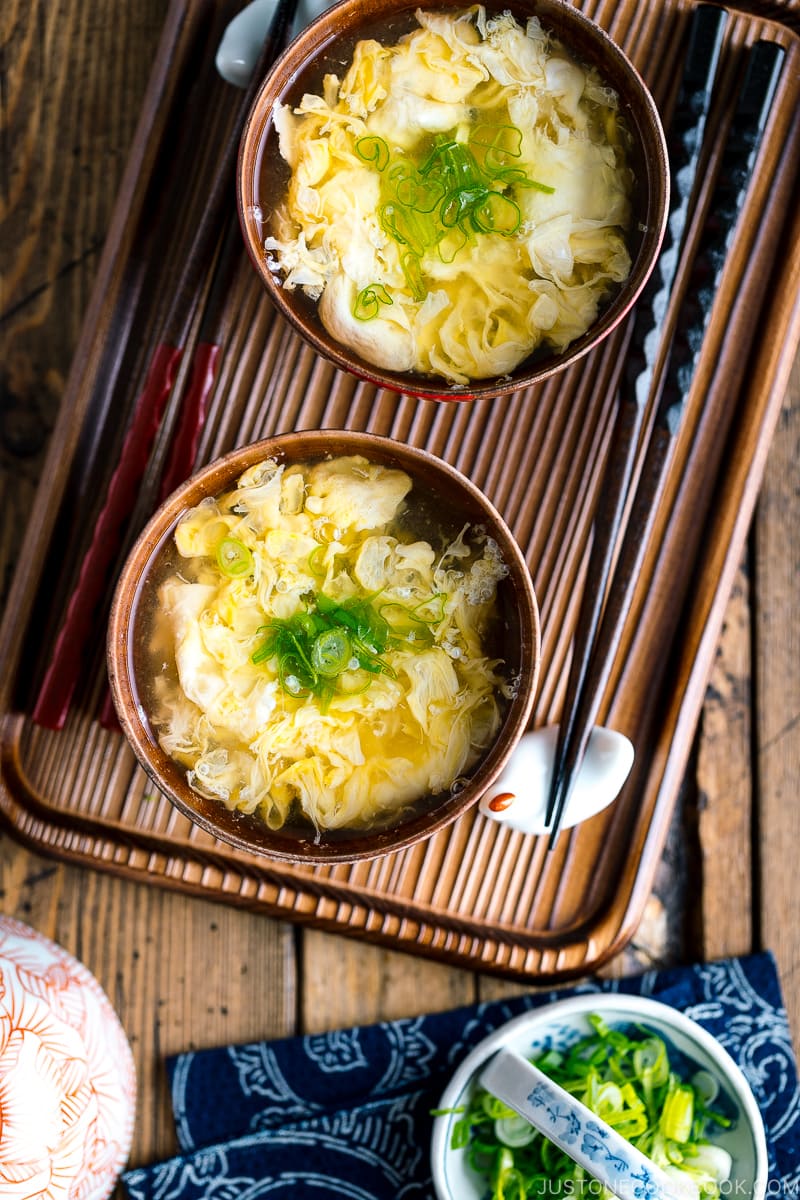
column 559, row 1025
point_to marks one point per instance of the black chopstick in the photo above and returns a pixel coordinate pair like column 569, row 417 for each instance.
column 57, row 689
column 684, row 145
column 739, row 155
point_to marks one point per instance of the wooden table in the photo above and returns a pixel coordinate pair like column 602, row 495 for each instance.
column 184, row 972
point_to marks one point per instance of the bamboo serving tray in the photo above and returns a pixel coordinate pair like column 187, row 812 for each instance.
column 476, row 894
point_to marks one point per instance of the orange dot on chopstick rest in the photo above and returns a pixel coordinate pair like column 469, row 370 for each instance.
column 501, row 801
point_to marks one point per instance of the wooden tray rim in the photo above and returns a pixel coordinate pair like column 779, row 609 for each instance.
column 19, row 804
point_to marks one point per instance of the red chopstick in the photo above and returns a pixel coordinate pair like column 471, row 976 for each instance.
column 55, row 694
column 185, row 438
column 183, row 450
column 61, row 677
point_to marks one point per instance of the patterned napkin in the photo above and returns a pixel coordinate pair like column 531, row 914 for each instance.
column 346, row 1114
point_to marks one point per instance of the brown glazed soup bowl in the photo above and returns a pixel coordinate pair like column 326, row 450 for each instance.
column 325, row 45
column 131, row 675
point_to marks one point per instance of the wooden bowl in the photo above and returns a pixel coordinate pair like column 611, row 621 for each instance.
column 519, row 647
column 299, row 70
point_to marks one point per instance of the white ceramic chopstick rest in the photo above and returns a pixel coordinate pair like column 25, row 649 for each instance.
column 519, row 796
column 576, row 1130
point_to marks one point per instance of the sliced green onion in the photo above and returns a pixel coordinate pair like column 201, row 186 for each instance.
column 326, row 640
column 451, row 243
column 705, row 1085
column 300, row 648
column 459, row 1135
column 714, row 1160
column 373, row 150
column 412, row 269
column 628, row 1080
column 314, row 560
column 651, row 1066
column 233, row 558
column 401, row 224
column 534, row 183
column 292, row 677
column 502, row 139
column 514, row 1131
column 677, row 1114
column 550, row 1061
column 510, row 1185
column 406, row 626
column 264, row 651
column 496, row 214
column 459, row 204
column 308, row 624
column 369, row 300
column 415, row 191
column 434, row 205
column 330, row 653
column 495, row 1108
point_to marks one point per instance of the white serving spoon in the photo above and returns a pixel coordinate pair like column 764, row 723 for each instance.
column 576, row 1130
column 244, row 36
column 519, row 796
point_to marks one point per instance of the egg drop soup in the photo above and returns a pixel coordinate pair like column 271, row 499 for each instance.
column 320, row 645
column 456, row 199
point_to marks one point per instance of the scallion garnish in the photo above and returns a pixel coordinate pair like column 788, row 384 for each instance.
column 439, row 204
column 233, row 558
column 412, row 269
column 369, row 300
column 329, row 638
column 331, row 653
column 631, row 1083
column 373, row 150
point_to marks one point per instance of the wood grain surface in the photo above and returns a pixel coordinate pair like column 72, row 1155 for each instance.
column 185, row 972
column 776, row 699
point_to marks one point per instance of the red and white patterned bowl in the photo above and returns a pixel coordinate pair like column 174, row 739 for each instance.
column 67, row 1080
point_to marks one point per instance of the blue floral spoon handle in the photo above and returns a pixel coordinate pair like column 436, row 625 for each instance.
column 575, row 1129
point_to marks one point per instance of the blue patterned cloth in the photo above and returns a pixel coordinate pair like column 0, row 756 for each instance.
column 346, row 1115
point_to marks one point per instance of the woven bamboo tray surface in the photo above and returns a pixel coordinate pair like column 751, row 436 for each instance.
column 475, row 894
